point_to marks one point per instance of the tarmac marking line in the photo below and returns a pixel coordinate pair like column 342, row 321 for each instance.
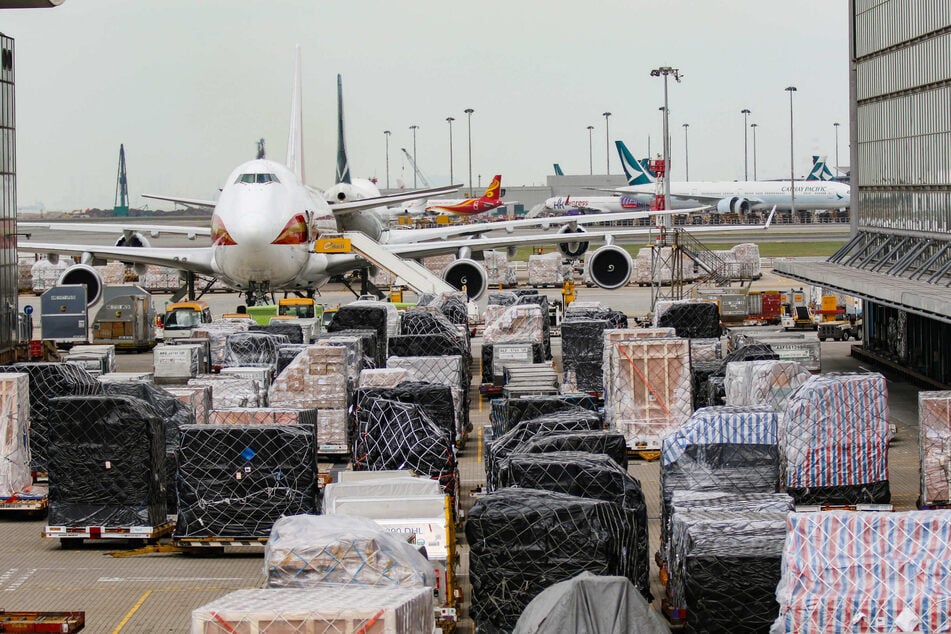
column 135, row 608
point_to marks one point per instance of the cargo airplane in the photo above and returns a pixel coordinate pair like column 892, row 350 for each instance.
column 732, row 196
column 266, row 223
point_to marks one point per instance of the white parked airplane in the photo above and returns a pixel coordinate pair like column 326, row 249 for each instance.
column 733, row 196
column 595, row 204
column 266, row 222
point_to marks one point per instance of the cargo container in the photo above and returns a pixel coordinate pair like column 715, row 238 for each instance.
column 127, row 322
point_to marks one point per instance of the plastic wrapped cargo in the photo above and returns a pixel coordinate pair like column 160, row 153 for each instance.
column 217, row 333
column 522, row 541
column 317, row 377
column 176, row 363
column 693, row 320
column 196, row 398
column 389, row 610
column 499, row 272
column 316, row 551
column 934, row 443
column 545, row 269
column 516, row 324
column 724, row 569
column 594, row 476
column 252, row 349
column 433, row 345
column 264, row 416
column 434, row 399
column 609, row 443
column 48, row 381
column 496, row 356
column 506, row 413
column 450, row 371
column 688, row 501
column 763, row 382
column 833, row 440
column 705, row 349
column 804, row 351
column 382, row 488
column 427, row 320
column 229, row 391
column 237, row 480
column 284, row 328
column 285, row 354
column 385, row 377
column 358, row 355
column 543, row 303
column 647, row 389
column 582, row 346
column 501, row 298
column 865, row 571
column 379, row 316
column 590, row 603
column 15, row 437
column 106, row 462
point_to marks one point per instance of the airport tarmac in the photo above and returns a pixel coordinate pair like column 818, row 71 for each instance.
column 156, row 592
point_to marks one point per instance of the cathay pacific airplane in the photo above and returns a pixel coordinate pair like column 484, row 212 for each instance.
column 732, row 196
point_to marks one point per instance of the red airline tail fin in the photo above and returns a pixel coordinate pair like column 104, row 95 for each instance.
column 494, row 189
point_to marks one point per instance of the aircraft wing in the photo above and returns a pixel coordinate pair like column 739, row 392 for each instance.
column 195, row 259
column 382, row 201
column 153, row 231
column 191, row 202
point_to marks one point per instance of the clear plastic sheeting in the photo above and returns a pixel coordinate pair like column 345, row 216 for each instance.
column 330, row 610
column 379, row 316
column 283, row 328
column 285, row 354
column 647, row 390
column 454, row 305
column 15, row 438
column 609, row 443
column 934, row 436
column 47, row 381
column 508, row 412
column 229, row 391
column 594, row 476
column 833, row 440
column 316, row 378
column 381, row 488
column 542, row 302
column 237, row 480
column 545, row 269
column 705, row 349
column 385, row 377
column 316, row 551
column 196, row 398
column 264, row 416
column 582, row 348
column 365, row 341
column 106, row 462
column 433, row 345
column 516, row 324
column 450, row 371
column 866, row 572
column 217, row 334
column 724, row 569
column 590, row 603
column 498, row 270
column 767, row 383
column 521, row 541
column 501, row 298
column 252, row 349
column 691, row 319
column 434, row 399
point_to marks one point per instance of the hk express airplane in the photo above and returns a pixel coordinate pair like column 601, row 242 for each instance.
column 595, row 204
column 266, row 223
column 732, row 196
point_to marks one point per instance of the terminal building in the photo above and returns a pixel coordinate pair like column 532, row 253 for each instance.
column 898, row 259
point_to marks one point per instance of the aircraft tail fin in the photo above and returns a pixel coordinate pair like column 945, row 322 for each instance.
column 558, row 171
column 343, row 166
column 820, row 170
column 494, row 190
column 295, row 136
column 633, row 170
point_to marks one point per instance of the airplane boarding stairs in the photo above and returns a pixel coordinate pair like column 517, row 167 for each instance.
column 720, row 272
column 414, row 274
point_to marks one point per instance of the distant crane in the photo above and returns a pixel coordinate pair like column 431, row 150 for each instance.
column 419, row 175
column 121, row 205
column 260, row 154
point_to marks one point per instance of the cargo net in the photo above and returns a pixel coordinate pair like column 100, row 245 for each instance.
column 230, row 391
column 535, row 353
column 647, row 388
column 426, row 320
column 106, row 462
column 433, row 345
column 217, row 334
column 833, row 440
column 313, row 551
column 47, row 381
column 328, row 610
column 514, row 324
column 452, row 305
column 252, row 349
column 707, row 392
column 368, row 349
column 355, row 358
column 724, row 568
column 15, row 473
column 508, row 412
column 502, row 298
column 285, row 354
column 767, row 383
column 595, row 311
column 318, row 377
column 609, row 443
column 393, row 435
column 196, row 399
column 705, row 349
column 870, row 572
column 293, row 332
column 173, row 413
column 237, row 480
column 368, row 315
column 434, row 399
column 385, row 377
column 594, row 476
column 542, row 302
column 934, row 424
column 524, row 540
column 451, row 371
column 577, row 419
column 582, row 346
column 693, row 320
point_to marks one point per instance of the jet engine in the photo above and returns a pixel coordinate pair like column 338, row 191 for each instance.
column 134, row 239
column 468, row 273
column 88, row 277
column 734, row 205
column 572, row 249
column 610, row 267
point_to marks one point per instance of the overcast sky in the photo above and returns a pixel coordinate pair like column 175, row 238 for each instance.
column 190, row 85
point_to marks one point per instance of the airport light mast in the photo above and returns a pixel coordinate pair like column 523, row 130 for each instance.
column 121, row 205
column 386, row 133
column 665, row 71
column 792, row 167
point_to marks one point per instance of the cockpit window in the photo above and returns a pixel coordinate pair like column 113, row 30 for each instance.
column 257, row 178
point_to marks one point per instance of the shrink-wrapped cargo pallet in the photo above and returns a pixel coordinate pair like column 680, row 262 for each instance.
column 262, row 375
column 328, row 610
column 176, row 363
column 691, row 319
column 514, row 324
column 594, row 476
column 496, row 356
column 229, row 391
column 106, row 462
column 360, row 346
column 426, row 320
column 609, row 443
column 522, row 541
column 590, row 603
column 705, row 349
column 865, row 572
column 283, row 328
column 264, row 416
column 728, row 449
column 252, row 349
column 450, row 371
column 508, row 412
column 454, row 305
column 545, row 269
column 646, row 388
column 14, row 433
column 379, row 316
column 396, row 487
column 434, row 399
column 196, row 398
column 582, row 351
column 236, row 480
column 47, row 381
column 501, row 298
column 385, row 377
column 395, row 435
column 217, row 334
column 498, row 270
column 763, row 382
column 46, row 274
column 316, row 551
column 287, row 353
column 833, row 439
column 934, row 443
column 432, row 345
column 576, row 419
column 543, row 303
column 724, row 569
